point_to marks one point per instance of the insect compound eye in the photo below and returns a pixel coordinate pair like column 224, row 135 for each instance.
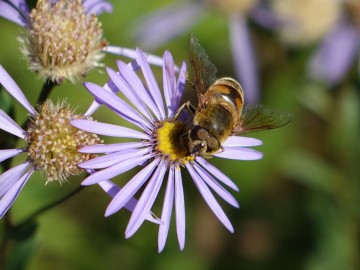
column 212, row 143
column 202, row 134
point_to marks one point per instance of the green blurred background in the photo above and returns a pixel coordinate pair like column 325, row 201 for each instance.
column 299, row 204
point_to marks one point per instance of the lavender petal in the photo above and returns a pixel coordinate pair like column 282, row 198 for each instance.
column 166, row 211
column 9, row 178
column 129, row 93
column 179, row 208
column 244, row 57
column 97, row 6
column 117, row 105
column 110, row 86
column 180, row 87
column 108, row 129
column 169, row 82
column 221, row 191
column 239, row 153
column 130, row 53
column 112, row 159
column 129, row 190
column 234, row 141
column 151, row 82
column 266, row 18
column 209, row 198
column 336, row 54
column 14, row 90
column 8, row 153
column 9, row 125
column 15, row 11
column 112, row 189
column 114, row 170
column 8, row 199
column 146, row 200
column 109, row 187
column 110, row 148
column 136, row 84
column 217, row 173
column 167, row 23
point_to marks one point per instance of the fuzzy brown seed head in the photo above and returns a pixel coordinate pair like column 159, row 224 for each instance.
column 63, row 42
column 53, row 142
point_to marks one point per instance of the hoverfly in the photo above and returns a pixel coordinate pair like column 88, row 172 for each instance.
column 221, row 111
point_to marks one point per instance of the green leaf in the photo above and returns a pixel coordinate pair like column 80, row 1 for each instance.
column 317, row 99
column 21, row 254
column 345, row 125
column 23, row 231
column 310, row 171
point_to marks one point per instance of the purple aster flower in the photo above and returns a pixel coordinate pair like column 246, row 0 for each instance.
column 51, row 146
column 63, row 39
column 155, row 146
column 173, row 20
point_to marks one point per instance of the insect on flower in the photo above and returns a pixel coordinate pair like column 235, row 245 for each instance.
column 160, row 142
column 221, row 111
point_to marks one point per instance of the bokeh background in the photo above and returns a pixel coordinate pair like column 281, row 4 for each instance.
column 300, row 206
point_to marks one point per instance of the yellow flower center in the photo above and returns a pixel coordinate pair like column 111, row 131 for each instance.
column 169, row 141
column 63, row 42
column 53, row 142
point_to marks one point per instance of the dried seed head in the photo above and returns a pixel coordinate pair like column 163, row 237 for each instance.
column 53, row 142
column 63, row 42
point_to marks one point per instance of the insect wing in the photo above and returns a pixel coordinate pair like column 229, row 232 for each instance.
column 261, row 117
column 204, row 71
column 185, row 114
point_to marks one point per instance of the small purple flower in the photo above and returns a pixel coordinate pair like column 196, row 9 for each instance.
column 49, row 149
column 63, row 39
column 155, row 29
column 156, row 147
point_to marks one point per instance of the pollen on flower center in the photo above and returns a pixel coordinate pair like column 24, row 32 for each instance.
column 53, row 143
column 169, row 141
column 63, row 42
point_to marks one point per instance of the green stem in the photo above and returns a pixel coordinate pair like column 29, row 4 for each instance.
column 9, row 226
column 45, row 91
column 44, row 94
column 5, row 241
column 50, row 206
